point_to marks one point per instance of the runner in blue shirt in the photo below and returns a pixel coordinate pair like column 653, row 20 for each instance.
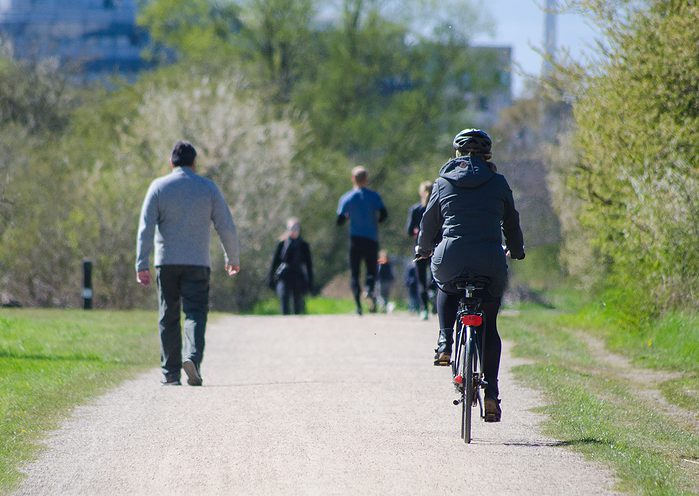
column 365, row 209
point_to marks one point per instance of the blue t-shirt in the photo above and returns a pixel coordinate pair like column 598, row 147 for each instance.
column 362, row 206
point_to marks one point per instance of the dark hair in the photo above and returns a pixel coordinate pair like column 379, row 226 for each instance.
column 183, row 154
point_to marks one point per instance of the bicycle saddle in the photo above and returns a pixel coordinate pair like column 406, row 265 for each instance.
column 478, row 282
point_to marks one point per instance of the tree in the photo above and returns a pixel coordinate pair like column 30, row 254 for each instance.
column 35, row 106
column 637, row 174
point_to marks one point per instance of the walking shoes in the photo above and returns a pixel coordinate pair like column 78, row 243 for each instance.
column 193, row 376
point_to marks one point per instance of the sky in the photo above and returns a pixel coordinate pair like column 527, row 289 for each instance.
column 520, row 24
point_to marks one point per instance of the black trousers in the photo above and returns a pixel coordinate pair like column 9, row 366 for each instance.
column 291, row 294
column 182, row 288
column 421, row 270
column 367, row 250
column 447, row 307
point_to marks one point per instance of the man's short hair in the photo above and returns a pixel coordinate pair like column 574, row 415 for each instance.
column 360, row 175
column 183, row 154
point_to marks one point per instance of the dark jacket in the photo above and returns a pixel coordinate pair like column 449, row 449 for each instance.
column 414, row 217
column 296, row 254
column 471, row 206
column 384, row 272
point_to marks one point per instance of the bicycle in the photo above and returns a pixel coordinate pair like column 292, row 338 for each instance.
column 467, row 362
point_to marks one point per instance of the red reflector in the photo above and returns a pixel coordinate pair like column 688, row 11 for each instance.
column 458, row 379
column 472, row 320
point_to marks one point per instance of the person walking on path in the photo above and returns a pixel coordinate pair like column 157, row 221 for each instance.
column 177, row 214
column 412, row 227
column 385, row 278
column 472, row 207
column 411, row 285
column 291, row 272
column 365, row 209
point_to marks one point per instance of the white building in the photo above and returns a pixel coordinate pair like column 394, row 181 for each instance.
column 98, row 37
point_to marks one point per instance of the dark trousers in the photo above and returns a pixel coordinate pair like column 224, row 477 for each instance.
column 290, row 294
column 421, row 270
column 447, row 307
column 367, row 250
column 186, row 288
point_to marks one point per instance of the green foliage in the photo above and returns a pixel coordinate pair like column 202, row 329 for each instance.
column 541, row 271
column 280, row 108
column 52, row 361
column 197, row 29
column 638, row 172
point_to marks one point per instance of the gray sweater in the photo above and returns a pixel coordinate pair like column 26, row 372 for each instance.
column 178, row 212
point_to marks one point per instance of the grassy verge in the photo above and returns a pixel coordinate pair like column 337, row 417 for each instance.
column 52, row 360
column 317, row 305
column 599, row 413
column 669, row 342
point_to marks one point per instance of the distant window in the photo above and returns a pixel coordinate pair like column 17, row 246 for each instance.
column 505, row 78
column 483, row 103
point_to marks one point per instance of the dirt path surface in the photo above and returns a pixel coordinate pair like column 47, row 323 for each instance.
column 308, row 405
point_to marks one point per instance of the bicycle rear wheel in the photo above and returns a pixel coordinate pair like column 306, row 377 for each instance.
column 477, row 375
column 469, row 386
column 457, row 353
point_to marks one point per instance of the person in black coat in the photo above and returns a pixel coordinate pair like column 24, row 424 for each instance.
column 291, row 272
column 412, row 227
column 472, row 208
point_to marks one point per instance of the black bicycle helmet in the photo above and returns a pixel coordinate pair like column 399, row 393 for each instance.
column 472, row 141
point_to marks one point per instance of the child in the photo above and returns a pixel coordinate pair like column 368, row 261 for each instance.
column 385, row 279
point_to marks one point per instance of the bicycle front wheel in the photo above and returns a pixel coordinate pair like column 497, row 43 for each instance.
column 469, row 386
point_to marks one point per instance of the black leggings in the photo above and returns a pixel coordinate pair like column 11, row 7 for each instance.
column 447, row 307
column 367, row 250
column 421, row 270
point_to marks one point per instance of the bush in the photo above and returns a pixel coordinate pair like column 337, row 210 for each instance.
column 637, row 174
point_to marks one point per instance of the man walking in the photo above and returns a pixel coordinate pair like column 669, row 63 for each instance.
column 365, row 209
column 177, row 212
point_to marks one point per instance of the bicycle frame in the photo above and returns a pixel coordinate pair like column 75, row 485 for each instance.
column 467, row 366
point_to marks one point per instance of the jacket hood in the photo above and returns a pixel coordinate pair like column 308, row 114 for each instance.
column 466, row 172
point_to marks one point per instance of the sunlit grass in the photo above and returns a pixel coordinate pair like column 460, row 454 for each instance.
column 600, row 414
column 317, row 305
column 52, row 360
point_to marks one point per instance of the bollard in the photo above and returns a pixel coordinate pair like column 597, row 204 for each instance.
column 87, row 284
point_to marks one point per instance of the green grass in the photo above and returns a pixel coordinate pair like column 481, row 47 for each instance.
column 317, row 305
column 683, row 392
column 52, row 360
column 668, row 342
column 599, row 413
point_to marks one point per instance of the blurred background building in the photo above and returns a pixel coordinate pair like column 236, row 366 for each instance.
column 97, row 38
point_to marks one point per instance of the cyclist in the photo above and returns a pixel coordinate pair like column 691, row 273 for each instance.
column 365, row 209
column 471, row 206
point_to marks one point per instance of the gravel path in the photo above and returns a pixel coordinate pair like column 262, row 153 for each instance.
column 308, row 405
